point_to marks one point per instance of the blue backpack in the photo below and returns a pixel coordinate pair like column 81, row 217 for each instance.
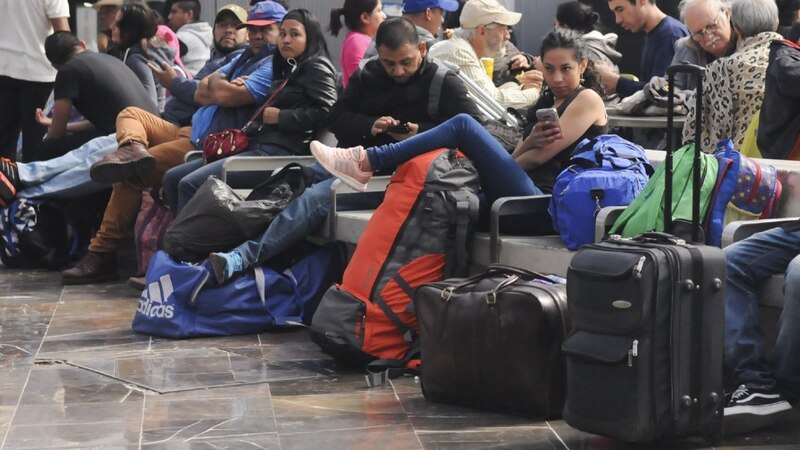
column 180, row 300
column 604, row 171
column 35, row 233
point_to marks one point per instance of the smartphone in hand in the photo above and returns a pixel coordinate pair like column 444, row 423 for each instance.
column 548, row 115
column 399, row 129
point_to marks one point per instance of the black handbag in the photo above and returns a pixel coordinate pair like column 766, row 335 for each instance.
column 493, row 341
column 507, row 135
column 217, row 219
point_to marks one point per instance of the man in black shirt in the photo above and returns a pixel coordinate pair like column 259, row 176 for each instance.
column 99, row 86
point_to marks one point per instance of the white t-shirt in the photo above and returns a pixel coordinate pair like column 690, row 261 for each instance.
column 24, row 25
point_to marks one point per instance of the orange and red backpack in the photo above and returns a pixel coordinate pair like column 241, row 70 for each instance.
column 417, row 235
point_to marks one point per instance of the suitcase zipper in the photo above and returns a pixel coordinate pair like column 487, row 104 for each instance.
column 637, row 269
column 633, row 352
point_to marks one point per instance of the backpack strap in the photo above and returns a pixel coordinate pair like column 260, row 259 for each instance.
column 435, row 91
column 382, row 370
column 466, row 213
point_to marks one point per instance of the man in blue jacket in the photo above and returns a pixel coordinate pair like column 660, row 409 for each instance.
column 229, row 42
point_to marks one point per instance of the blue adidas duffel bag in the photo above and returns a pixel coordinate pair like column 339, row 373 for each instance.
column 180, row 300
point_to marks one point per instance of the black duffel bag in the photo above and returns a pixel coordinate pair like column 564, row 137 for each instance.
column 493, row 341
column 217, row 219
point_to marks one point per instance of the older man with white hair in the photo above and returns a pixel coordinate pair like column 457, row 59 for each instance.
column 733, row 87
column 484, row 33
column 710, row 37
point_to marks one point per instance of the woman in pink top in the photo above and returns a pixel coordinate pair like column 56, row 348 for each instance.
column 362, row 18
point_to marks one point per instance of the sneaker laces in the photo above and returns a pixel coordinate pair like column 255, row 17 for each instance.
column 740, row 392
column 356, row 154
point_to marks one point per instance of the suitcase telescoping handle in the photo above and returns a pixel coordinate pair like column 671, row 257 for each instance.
column 698, row 72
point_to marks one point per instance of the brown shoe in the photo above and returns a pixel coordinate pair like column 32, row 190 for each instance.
column 92, row 268
column 130, row 159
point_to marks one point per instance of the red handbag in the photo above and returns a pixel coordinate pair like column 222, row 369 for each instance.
column 223, row 144
column 233, row 140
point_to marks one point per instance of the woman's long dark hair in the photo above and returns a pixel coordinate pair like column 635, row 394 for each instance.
column 137, row 25
column 352, row 11
column 315, row 43
column 577, row 16
column 568, row 39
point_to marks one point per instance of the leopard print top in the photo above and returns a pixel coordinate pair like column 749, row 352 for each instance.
column 733, row 90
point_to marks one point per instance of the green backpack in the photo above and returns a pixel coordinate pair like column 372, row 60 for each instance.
column 646, row 212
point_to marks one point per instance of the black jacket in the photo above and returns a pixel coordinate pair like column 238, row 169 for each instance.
column 371, row 93
column 779, row 122
column 305, row 103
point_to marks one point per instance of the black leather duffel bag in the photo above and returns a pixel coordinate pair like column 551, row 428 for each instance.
column 493, row 341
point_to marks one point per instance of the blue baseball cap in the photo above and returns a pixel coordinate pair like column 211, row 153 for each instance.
column 417, row 6
column 263, row 14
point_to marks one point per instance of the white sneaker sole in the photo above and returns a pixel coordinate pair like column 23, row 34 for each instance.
column 761, row 410
column 346, row 179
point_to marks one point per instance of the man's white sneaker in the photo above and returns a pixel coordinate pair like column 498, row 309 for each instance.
column 343, row 163
column 750, row 409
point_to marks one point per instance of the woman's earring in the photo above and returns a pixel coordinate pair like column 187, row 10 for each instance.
column 582, row 79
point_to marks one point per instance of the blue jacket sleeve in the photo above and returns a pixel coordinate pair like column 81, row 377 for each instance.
column 183, row 89
column 626, row 86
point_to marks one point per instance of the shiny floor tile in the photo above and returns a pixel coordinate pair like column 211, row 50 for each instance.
column 109, row 435
column 389, row 437
column 179, row 370
column 74, row 375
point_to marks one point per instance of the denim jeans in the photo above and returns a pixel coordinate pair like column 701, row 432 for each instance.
column 301, row 217
column 181, row 182
column 500, row 175
column 750, row 262
column 66, row 176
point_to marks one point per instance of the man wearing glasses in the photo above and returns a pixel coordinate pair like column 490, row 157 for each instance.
column 733, row 87
column 711, row 36
column 661, row 32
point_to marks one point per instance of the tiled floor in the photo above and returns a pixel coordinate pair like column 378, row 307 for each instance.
column 73, row 375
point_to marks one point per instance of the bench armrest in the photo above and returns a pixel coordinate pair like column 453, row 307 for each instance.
column 739, row 230
column 192, row 155
column 511, row 206
column 375, row 184
column 605, row 219
column 256, row 163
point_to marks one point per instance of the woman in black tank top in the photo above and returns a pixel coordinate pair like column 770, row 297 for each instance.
column 572, row 88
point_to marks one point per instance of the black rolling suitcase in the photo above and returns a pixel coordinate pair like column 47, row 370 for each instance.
column 493, row 341
column 644, row 362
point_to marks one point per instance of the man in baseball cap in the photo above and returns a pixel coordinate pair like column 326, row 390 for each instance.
column 485, row 12
column 263, row 14
column 428, row 15
column 484, row 34
column 232, row 9
column 417, row 6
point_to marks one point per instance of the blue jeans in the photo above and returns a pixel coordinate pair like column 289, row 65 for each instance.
column 301, row 217
column 181, row 182
column 66, row 176
column 500, row 175
column 750, row 262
